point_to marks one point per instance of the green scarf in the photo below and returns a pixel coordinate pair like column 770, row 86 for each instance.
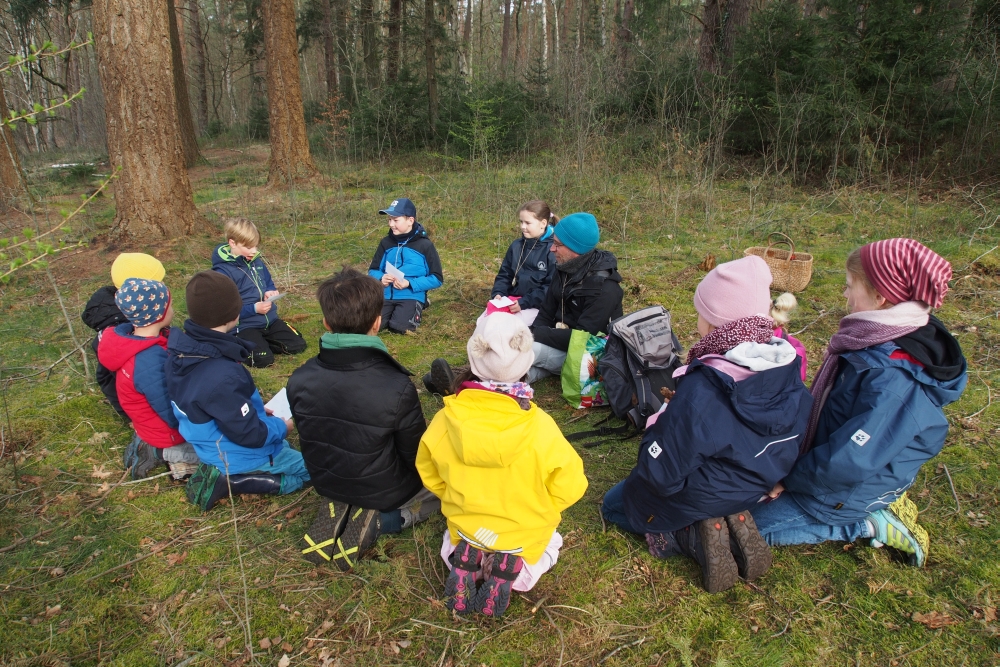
column 341, row 341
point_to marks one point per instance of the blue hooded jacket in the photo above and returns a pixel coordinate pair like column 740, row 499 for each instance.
column 882, row 420
column 217, row 405
column 252, row 279
column 415, row 255
column 718, row 447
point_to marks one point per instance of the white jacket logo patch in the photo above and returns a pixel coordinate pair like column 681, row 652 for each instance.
column 860, row 437
column 654, row 449
column 245, row 410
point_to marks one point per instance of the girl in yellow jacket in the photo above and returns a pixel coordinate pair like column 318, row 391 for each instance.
column 503, row 471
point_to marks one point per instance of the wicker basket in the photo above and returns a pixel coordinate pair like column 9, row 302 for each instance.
column 790, row 270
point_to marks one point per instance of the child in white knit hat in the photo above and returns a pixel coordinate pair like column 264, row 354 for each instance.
column 503, row 471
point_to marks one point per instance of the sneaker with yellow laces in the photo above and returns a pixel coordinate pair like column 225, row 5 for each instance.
column 896, row 526
column 319, row 543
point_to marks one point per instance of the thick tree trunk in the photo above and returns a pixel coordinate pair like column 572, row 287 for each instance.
column 711, row 17
column 188, row 135
column 737, row 18
column 395, row 29
column 431, row 60
column 505, row 39
column 368, row 38
column 290, row 159
column 12, row 183
column 329, row 49
column 152, row 193
column 343, row 66
column 200, row 65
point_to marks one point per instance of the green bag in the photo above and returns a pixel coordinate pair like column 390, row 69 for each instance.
column 582, row 385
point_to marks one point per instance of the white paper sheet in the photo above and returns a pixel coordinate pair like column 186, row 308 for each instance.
column 279, row 405
column 393, row 271
column 275, row 297
column 502, row 302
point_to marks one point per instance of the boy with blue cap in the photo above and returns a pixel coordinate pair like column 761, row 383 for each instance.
column 585, row 293
column 407, row 264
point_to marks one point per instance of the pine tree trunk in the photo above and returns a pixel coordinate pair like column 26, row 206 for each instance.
column 505, row 39
column 329, row 48
column 737, row 18
column 290, row 159
column 711, row 16
column 368, row 38
column 431, row 60
column 188, row 135
column 200, row 64
column 395, row 28
column 12, row 183
column 343, row 66
column 152, row 193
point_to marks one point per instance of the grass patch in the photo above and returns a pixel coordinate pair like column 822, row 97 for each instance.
column 97, row 572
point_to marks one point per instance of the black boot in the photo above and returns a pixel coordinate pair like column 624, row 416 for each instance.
column 442, row 377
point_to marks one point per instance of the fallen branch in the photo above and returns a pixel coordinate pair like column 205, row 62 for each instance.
column 623, row 647
column 958, row 505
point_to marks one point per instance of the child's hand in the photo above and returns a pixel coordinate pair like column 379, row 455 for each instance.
column 262, row 307
column 268, row 294
column 386, row 279
column 290, row 425
column 776, row 491
column 514, row 308
column 400, row 283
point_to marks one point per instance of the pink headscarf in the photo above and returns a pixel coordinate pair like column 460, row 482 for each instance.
column 906, row 270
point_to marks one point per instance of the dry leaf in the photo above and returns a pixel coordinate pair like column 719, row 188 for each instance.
column 203, row 571
column 934, row 619
column 285, row 661
column 265, row 643
column 98, row 438
column 33, row 479
column 990, row 614
column 708, row 263
column 53, row 611
column 284, row 607
column 176, row 559
column 405, row 643
column 292, row 513
column 287, row 648
column 57, row 572
column 100, row 473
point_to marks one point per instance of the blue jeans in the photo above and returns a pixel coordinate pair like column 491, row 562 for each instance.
column 783, row 521
column 613, row 507
column 292, row 468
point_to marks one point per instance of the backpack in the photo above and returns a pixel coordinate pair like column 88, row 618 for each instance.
column 640, row 357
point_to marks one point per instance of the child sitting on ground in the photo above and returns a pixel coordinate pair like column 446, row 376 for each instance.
column 359, row 422
column 219, row 409
column 503, row 471
column 781, row 311
column 135, row 352
column 102, row 312
column 528, row 266
column 239, row 259
column 407, row 248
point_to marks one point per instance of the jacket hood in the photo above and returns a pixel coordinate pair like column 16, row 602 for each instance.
column 188, row 348
column 767, row 402
column 940, row 392
column 417, row 231
column 121, row 345
column 223, row 255
column 935, row 347
column 487, row 429
column 101, row 310
column 600, row 260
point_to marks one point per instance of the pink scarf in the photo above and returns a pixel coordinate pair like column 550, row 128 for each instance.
column 858, row 331
column 753, row 329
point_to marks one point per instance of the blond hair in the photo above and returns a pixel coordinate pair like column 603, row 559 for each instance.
column 782, row 307
column 857, row 271
column 242, row 231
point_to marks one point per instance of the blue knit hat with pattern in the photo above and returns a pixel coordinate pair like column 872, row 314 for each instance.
column 143, row 302
column 578, row 232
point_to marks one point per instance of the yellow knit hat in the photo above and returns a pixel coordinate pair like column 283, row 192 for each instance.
column 136, row 265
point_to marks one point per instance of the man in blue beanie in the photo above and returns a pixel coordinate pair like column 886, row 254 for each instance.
column 584, row 294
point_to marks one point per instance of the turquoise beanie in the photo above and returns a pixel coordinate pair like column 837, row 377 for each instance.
column 578, row 232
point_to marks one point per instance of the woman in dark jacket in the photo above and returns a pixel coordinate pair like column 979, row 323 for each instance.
column 888, row 372
column 733, row 428
column 528, row 266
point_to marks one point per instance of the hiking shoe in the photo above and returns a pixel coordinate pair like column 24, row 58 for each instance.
column 442, row 377
column 460, row 587
column 323, row 533
column 359, row 535
column 147, row 458
column 128, row 458
column 708, row 543
column 493, row 596
column 750, row 551
column 896, row 527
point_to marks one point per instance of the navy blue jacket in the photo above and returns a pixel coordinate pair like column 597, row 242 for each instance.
column 718, row 447
column 217, row 405
column 252, row 279
column 415, row 255
column 882, row 420
column 527, row 270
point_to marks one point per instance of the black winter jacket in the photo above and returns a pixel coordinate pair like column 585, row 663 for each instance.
column 100, row 313
column 359, row 422
column 588, row 299
column 527, row 270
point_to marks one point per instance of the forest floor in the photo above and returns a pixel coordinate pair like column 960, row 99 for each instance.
column 95, row 569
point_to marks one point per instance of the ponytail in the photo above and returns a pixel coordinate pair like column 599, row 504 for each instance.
column 782, row 307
